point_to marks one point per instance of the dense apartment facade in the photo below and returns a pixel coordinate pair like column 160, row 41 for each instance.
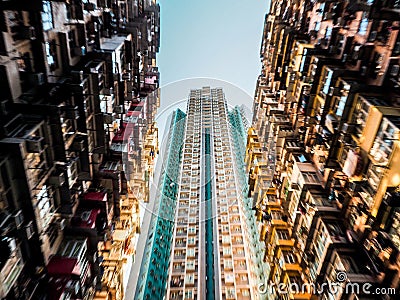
column 78, row 140
column 322, row 153
column 203, row 242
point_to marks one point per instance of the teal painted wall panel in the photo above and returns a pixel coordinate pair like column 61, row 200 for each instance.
column 154, row 268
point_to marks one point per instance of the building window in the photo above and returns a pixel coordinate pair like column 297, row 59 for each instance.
column 189, row 294
column 72, row 43
column 321, row 242
column 52, row 233
column 328, row 32
column 311, row 177
column 276, row 215
column 44, row 204
column 282, row 235
column 51, row 55
column 327, row 82
column 190, row 265
column 341, row 105
column 191, row 252
column 288, row 257
column 47, row 17
column 362, row 29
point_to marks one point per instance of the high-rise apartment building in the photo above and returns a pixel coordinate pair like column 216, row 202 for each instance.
column 323, row 151
column 79, row 94
column 203, row 243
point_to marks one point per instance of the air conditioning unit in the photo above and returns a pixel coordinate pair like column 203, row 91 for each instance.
column 295, row 186
column 108, row 119
column 34, row 144
column 372, row 36
column 348, row 128
column 108, row 91
column 126, row 76
column 38, row 78
column 334, row 91
column 89, row 6
column 78, row 145
column 333, row 49
column 118, row 109
column 57, row 180
column 77, row 76
column 71, row 112
column 354, row 186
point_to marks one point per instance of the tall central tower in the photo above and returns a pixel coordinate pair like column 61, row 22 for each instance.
column 212, row 245
column 212, row 255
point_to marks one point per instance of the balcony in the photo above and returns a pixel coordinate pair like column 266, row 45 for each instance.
column 240, row 265
column 181, row 232
column 288, row 261
column 241, row 279
column 66, row 273
column 177, row 281
column 180, row 243
column 238, row 252
column 10, row 266
column 178, row 268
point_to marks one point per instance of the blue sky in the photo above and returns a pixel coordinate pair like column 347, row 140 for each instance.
column 212, row 38
column 217, row 39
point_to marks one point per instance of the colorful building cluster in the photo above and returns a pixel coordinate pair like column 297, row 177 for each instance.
column 78, row 139
column 323, row 150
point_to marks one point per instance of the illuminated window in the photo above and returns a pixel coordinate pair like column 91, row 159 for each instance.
column 51, row 55
column 327, row 82
column 328, row 32
column 47, row 17
column 341, row 105
column 362, row 29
